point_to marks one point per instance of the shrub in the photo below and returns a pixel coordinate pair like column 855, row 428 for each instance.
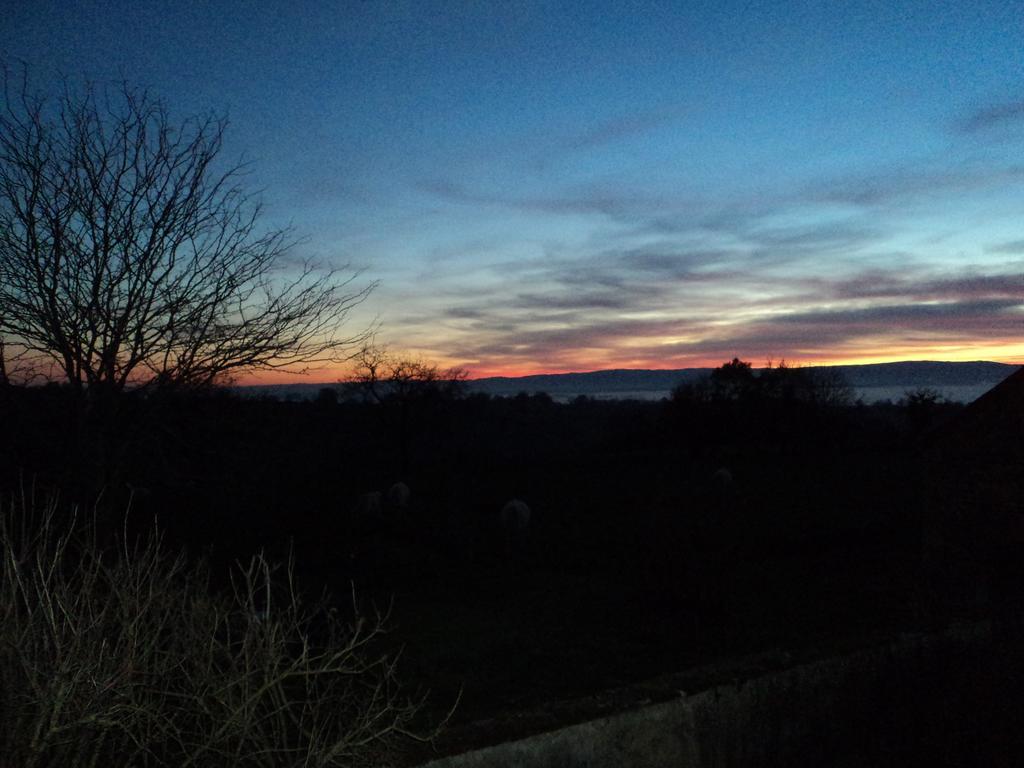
column 125, row 655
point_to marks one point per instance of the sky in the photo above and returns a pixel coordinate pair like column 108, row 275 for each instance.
column 552, row 187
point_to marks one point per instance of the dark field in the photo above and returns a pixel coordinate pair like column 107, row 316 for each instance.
column 663, row 535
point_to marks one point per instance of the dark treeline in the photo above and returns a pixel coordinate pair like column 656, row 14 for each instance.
column 776, row 460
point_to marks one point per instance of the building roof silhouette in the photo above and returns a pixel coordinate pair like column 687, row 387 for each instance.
column 972, row 468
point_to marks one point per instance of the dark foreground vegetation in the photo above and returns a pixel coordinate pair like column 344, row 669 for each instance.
column 123, row 653
column 745, row 514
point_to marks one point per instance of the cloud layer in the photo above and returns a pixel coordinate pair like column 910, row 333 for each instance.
column 917, row 259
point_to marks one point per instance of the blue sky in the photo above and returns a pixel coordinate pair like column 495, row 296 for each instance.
column 572, row 186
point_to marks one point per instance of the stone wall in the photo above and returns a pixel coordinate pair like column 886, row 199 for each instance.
column 894, row 700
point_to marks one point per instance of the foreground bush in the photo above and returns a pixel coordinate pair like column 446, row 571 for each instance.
column 125, row 656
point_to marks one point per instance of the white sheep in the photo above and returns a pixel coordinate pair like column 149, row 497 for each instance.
column 515, row 524
column 722, row 479
column 723, row 487
column 368, row 506
column 398, row 496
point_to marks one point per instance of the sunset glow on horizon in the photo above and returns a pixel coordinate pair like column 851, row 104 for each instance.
column 1011, row 354
column 550, row 188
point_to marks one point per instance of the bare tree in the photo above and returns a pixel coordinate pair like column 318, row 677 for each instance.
column 403, row 389
column 130, row 255
column 5, row 377
column 381, row 376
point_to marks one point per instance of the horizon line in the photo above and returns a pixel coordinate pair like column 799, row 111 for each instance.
column 337, row 382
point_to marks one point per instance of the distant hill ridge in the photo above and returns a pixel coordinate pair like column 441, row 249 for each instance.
column 961, row 381
column 909, row 374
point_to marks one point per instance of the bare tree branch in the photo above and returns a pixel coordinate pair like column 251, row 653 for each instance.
column 130, row 256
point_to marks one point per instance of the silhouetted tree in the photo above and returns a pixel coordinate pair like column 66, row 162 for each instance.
column 736, row 381
column 402, row 388
column 381, row 376
column 130, row 257
column 922, row 405
column 811, row 386
column 733, row 381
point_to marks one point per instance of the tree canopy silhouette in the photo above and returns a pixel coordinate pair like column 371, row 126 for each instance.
column 130, row 255
column 403, row 389
column 737, row 382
